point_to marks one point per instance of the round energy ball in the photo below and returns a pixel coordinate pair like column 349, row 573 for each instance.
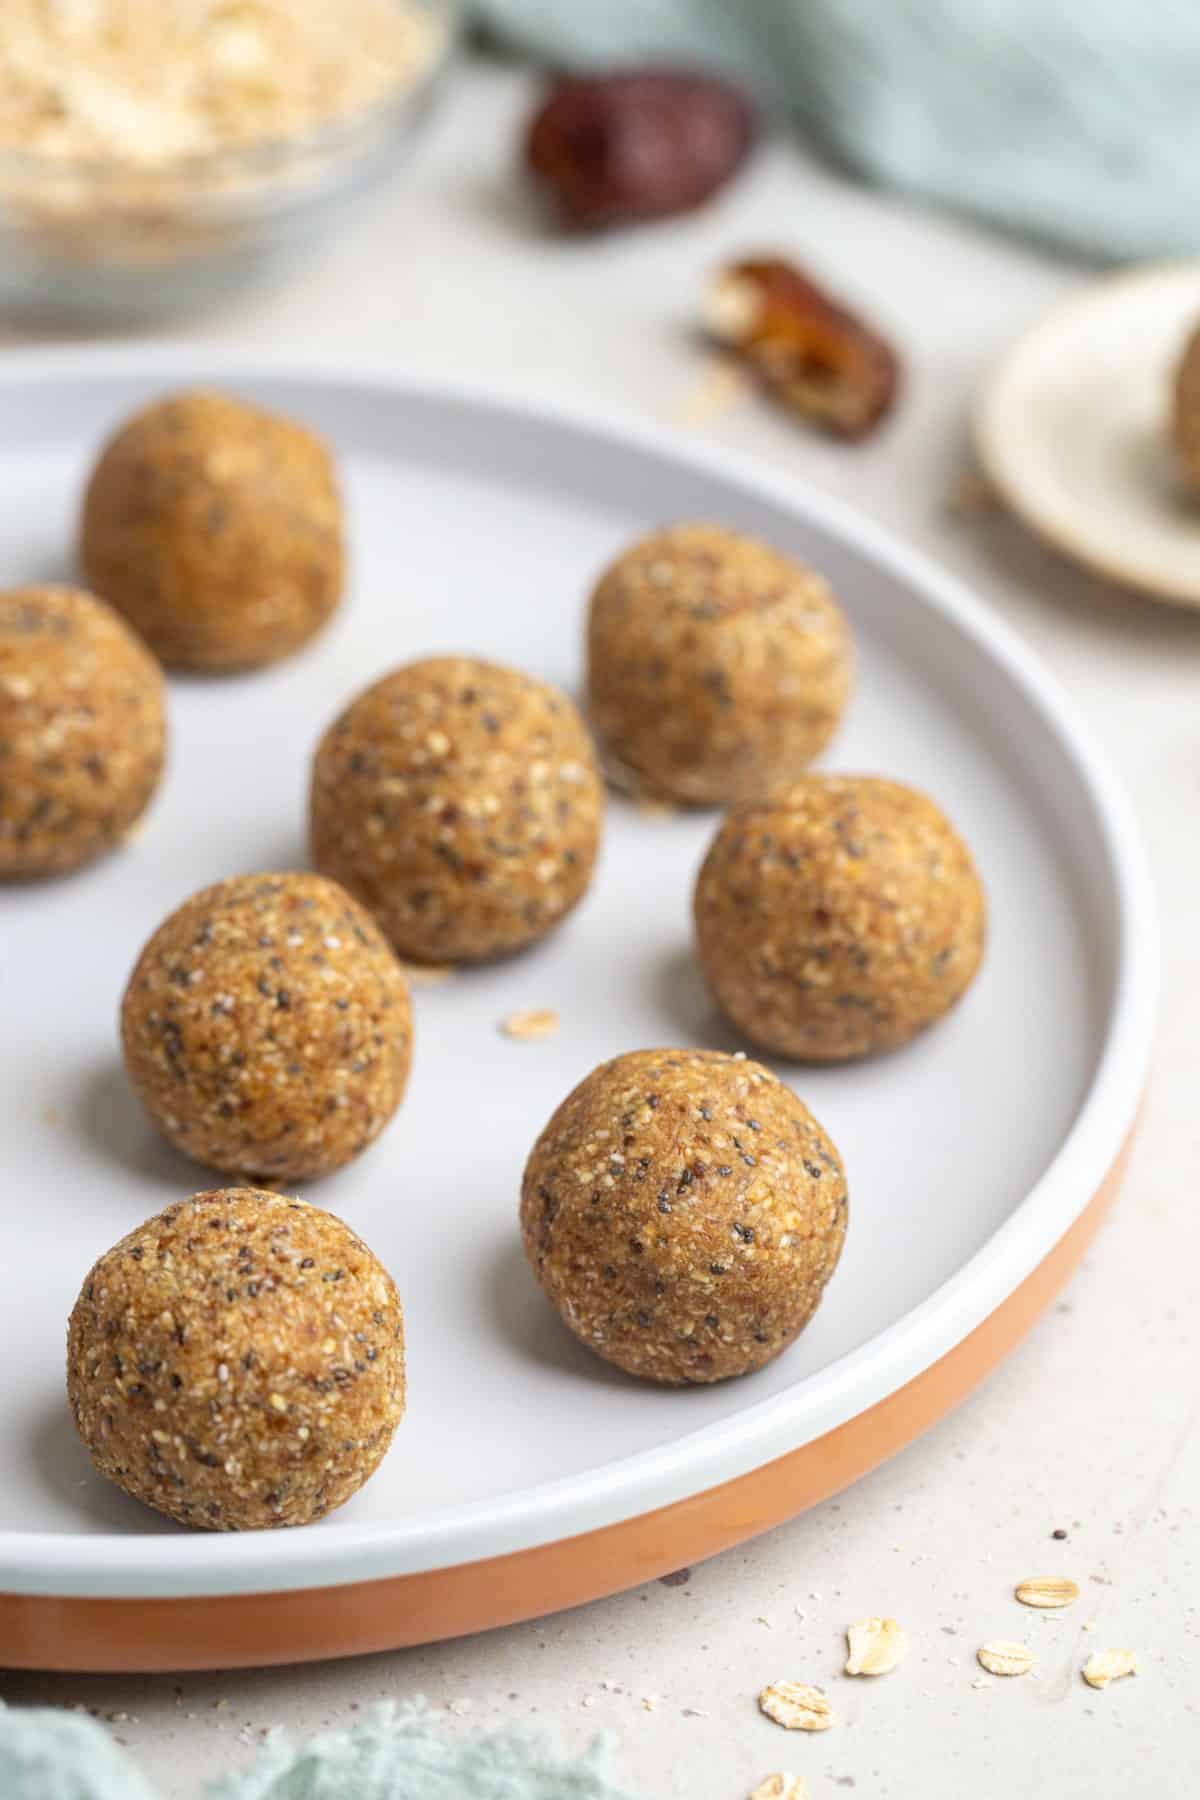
column 683, row 1211
column 216, row 528
column 266, row 1027
column 238, row 1361
column 461, row 803
column 82, row 730
column 1185, row 423
column 717, row 667
column 839, row 918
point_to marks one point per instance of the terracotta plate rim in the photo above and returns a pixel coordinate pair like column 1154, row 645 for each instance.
column 340, row 1552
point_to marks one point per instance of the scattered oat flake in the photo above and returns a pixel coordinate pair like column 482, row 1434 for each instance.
column 537, row 1022
column 876, row 1646
column 721, row 384
column 981, row 1681
column 781, row 1787
column 1103, row 1666
column 796, row 1706
column 649, row 1702
column 1047, row 1591
column 1004, row 1658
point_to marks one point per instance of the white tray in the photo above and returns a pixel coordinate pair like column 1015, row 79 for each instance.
column 477, row 525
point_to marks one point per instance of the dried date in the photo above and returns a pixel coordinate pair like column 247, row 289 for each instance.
column 637, row 144
column 818, row 358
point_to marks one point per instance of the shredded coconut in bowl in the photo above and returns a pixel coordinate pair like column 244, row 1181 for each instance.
column 146, row 83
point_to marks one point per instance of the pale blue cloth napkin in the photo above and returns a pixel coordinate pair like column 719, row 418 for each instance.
column 395, row 1754
column 1075, row 120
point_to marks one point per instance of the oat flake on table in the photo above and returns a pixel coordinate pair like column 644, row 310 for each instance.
column 781, row 1787
column 1004, row 1658
column 1047, row 1591
column 1103, row 1666
column 875, row 1646
column 796, row 1706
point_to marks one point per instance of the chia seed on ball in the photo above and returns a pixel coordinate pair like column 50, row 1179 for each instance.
column 683, row 1212
column 718, row 668
column 82, row 730
column 841, row 917
column 266, row 1027
column 238, row 1361
column 215, row 527
column 462, row 804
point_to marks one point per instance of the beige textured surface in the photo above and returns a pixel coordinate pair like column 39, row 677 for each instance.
column 717, row 667
column 216, row 528
column 461, row 803
column 683, row 1211
column 842, row 917
column 82, row 730
column 266, row 1027
column 238, row 1361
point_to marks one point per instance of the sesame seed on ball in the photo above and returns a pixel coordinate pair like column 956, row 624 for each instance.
column 718, row 668
column 266, row 1027
column 683, row 1211
column 82, row 730
column 461, row 803
column 841, row 917
column 237, row 1361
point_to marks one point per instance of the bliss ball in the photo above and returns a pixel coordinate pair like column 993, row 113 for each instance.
column 83, row 730
column 266, row 1027
column 461, row 802
column 238, row 1361
column 717, row 667
column 1185, row 422
column 839, row 918
column 216, row 528
column 683, row 1211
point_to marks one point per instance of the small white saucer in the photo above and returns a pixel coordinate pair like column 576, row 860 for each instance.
column 1072, row 430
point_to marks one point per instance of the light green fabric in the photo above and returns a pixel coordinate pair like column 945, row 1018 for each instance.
column 51, row 1755
column 394, row 1754
column 1075, row 120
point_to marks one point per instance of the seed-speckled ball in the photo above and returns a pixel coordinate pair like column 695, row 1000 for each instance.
column 82, row 730
column 238, row 1361
column 266, row 1027
column 717, row 667
column 842, row 917
column 461, row 802
column 215, row 527
column 1185, row 423
column 683, row 1211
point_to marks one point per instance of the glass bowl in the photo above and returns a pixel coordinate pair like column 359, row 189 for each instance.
column 89, row 239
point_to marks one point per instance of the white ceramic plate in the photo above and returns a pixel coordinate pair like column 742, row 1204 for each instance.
column 1073, row 430
column 477, row 525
